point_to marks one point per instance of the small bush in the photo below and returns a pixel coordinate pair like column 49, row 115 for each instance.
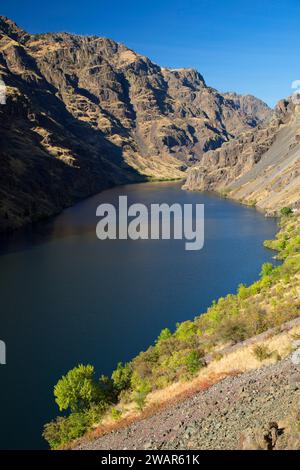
column 63, row 430
column 266, row 269
column 95, row 412
column 116, row 414
column 262, row 352
column 140, row 394
column 185, row 330
column 233, row 329
column 243, row 292
column 140, row 399
column 286, row 211
column 194, row 361
column 164, row 335
column 121, row 376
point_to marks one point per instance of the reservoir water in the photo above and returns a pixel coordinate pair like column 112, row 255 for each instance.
column 68, row 298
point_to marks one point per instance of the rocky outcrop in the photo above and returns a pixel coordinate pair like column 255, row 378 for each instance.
column 260, row 167
column 251, row 106
column 84, row 113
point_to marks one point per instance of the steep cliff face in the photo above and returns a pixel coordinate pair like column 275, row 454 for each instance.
column 84, row 113
column 251, row 106
column 49, row 158
column 259, row 167
column 157, row 115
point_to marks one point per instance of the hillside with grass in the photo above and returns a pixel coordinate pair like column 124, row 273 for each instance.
column 237, row 334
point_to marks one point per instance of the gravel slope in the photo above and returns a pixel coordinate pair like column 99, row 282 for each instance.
column 216, row 418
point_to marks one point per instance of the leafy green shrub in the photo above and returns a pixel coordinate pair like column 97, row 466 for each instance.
column 167, row 346
column 63, row 430
column 138, row 382
column 140, row 394
column 121, row 376
column 194, row 361
column 52, row 432
column 243, row 291
column 185, row 330
column 286, row 211
column 184, row 362
column 164, row 335
column 116, row 414
column 162, row 381
column 96, row 411
column 266, row 269
column 233, row 329
column 140, row 400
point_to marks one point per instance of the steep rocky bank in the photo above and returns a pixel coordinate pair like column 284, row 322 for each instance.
column 233, row 414
column 260, row 167
column 85, row 113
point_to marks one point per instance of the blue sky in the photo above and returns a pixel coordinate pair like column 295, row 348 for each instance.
column 243, row 46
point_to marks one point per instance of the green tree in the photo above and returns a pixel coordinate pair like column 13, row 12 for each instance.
column 266, row 269
column 121, row 376
column 185, row 330
column 194, row 361
column 164, row 334
column 141, row 393
column 233, row 329
column 77, row 390
column 243, row 291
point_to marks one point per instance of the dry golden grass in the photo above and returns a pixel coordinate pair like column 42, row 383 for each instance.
column 153, row 167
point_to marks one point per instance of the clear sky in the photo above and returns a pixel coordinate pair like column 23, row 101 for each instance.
column 243, row 46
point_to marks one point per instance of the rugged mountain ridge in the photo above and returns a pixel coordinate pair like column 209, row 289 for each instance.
column 260, row 167
column 85, row 113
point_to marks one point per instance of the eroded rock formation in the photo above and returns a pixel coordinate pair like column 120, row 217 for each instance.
column 260, row 167
column 84, row 113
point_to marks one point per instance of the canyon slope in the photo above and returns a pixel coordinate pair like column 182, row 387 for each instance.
column 85, row 113
column 236, row 413
column 260, row 167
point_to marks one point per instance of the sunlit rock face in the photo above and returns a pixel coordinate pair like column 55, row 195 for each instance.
column 260, row 167
column 84, row 113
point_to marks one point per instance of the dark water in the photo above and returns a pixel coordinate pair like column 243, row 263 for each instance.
column 67, row 297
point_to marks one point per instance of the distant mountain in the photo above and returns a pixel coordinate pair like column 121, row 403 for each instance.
column 260, row 167
column 85, row 113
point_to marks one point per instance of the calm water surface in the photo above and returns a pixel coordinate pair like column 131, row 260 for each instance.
column 67, row 297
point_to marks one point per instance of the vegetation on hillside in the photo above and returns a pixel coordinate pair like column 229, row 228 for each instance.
column 267, row 303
